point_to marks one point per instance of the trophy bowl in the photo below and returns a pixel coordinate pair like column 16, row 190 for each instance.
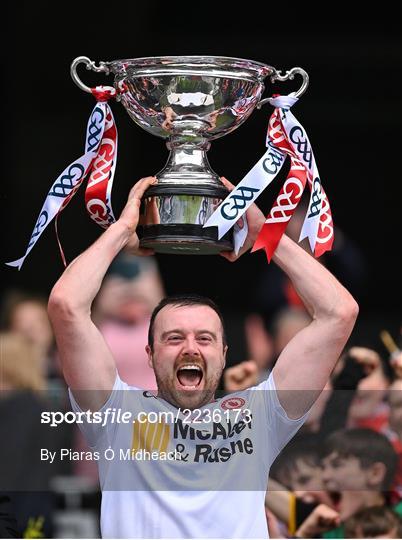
column 189, row 101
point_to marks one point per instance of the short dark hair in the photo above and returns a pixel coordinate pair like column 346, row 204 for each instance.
column 373, row 522
column 182, row 300
column 304, row 447
column 367, row 446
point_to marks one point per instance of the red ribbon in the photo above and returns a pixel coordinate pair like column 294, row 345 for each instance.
column 100, row 170
column 290, row 196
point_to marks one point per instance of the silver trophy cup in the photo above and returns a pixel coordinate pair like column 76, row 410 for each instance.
column 189, row 101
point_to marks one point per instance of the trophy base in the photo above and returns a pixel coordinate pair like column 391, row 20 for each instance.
column 172, row 217
column 183, row 239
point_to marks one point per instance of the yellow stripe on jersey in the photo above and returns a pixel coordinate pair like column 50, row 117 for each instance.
column 150, row 436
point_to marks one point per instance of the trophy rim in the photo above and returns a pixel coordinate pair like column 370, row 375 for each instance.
column 231, row 66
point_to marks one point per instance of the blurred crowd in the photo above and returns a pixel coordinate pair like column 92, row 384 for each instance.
column 340, row 477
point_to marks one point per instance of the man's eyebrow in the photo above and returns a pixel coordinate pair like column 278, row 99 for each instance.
column 207, row 332
column 181, row 332
column 174, row 331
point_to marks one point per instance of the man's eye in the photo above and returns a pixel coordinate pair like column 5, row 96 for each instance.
column 174, row 338
column 205, row 338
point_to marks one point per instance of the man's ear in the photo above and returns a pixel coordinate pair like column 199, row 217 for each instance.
column 148, row 350
column 376, row 473
column 225, row 350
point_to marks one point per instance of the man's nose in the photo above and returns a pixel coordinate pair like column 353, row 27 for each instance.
column 190, row 346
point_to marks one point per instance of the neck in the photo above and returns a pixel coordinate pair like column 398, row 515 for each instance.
column 182, row 406
column 374, row 498
column 353, row 501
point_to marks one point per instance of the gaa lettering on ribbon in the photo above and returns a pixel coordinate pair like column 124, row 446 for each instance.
column 40, row 224
column 238, row 201
column 67, row 181
column 206, row 454
column 298, row 137
column 95, row 128
column 315, row 207
column 98, row 211
column 274, row 161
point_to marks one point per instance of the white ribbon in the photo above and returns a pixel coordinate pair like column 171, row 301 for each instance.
column 69, row 180
column 265, row 171
column 299, row 140
column 248, row 189
column 240, row 232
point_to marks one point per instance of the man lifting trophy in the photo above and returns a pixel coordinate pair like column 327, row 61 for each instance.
column 213, row 455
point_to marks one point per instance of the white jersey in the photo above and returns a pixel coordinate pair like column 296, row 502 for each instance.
column 200, row 474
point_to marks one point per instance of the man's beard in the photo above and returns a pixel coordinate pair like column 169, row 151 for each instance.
column 185, row 399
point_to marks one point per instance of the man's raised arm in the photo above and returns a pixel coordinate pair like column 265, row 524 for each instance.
column 305, row 364
column 86, row 360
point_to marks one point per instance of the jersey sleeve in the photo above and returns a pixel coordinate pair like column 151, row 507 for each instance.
column 280, row 428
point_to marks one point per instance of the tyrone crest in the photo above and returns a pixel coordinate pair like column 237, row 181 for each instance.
column 233, row 403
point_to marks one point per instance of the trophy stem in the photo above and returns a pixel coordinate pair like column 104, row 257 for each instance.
column 186, row 195
column 188, row 162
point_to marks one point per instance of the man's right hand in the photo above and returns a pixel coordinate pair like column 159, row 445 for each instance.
column 131, row 214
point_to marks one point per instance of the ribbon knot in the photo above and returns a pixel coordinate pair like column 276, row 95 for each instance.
column 103, row 93
column 282, row 102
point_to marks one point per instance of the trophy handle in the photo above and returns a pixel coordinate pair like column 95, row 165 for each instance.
column 89, row 64
column 289, row 75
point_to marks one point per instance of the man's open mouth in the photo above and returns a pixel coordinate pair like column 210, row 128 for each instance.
column 190, row 376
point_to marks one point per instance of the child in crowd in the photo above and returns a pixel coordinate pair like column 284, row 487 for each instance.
column 358, row 468
column 376, row 522
column 295, row 487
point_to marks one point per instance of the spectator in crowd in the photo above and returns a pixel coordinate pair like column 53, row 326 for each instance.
column 26, row 314
column 131, row 289
column 393, row 430
column 368, row 408
column 298, row 467
column 264, row 347
column 349, row 400
column 23, row 476
column 295, row 485
column 374, row 522
column 359, row 466
column 358, row 470
column 395, row 409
